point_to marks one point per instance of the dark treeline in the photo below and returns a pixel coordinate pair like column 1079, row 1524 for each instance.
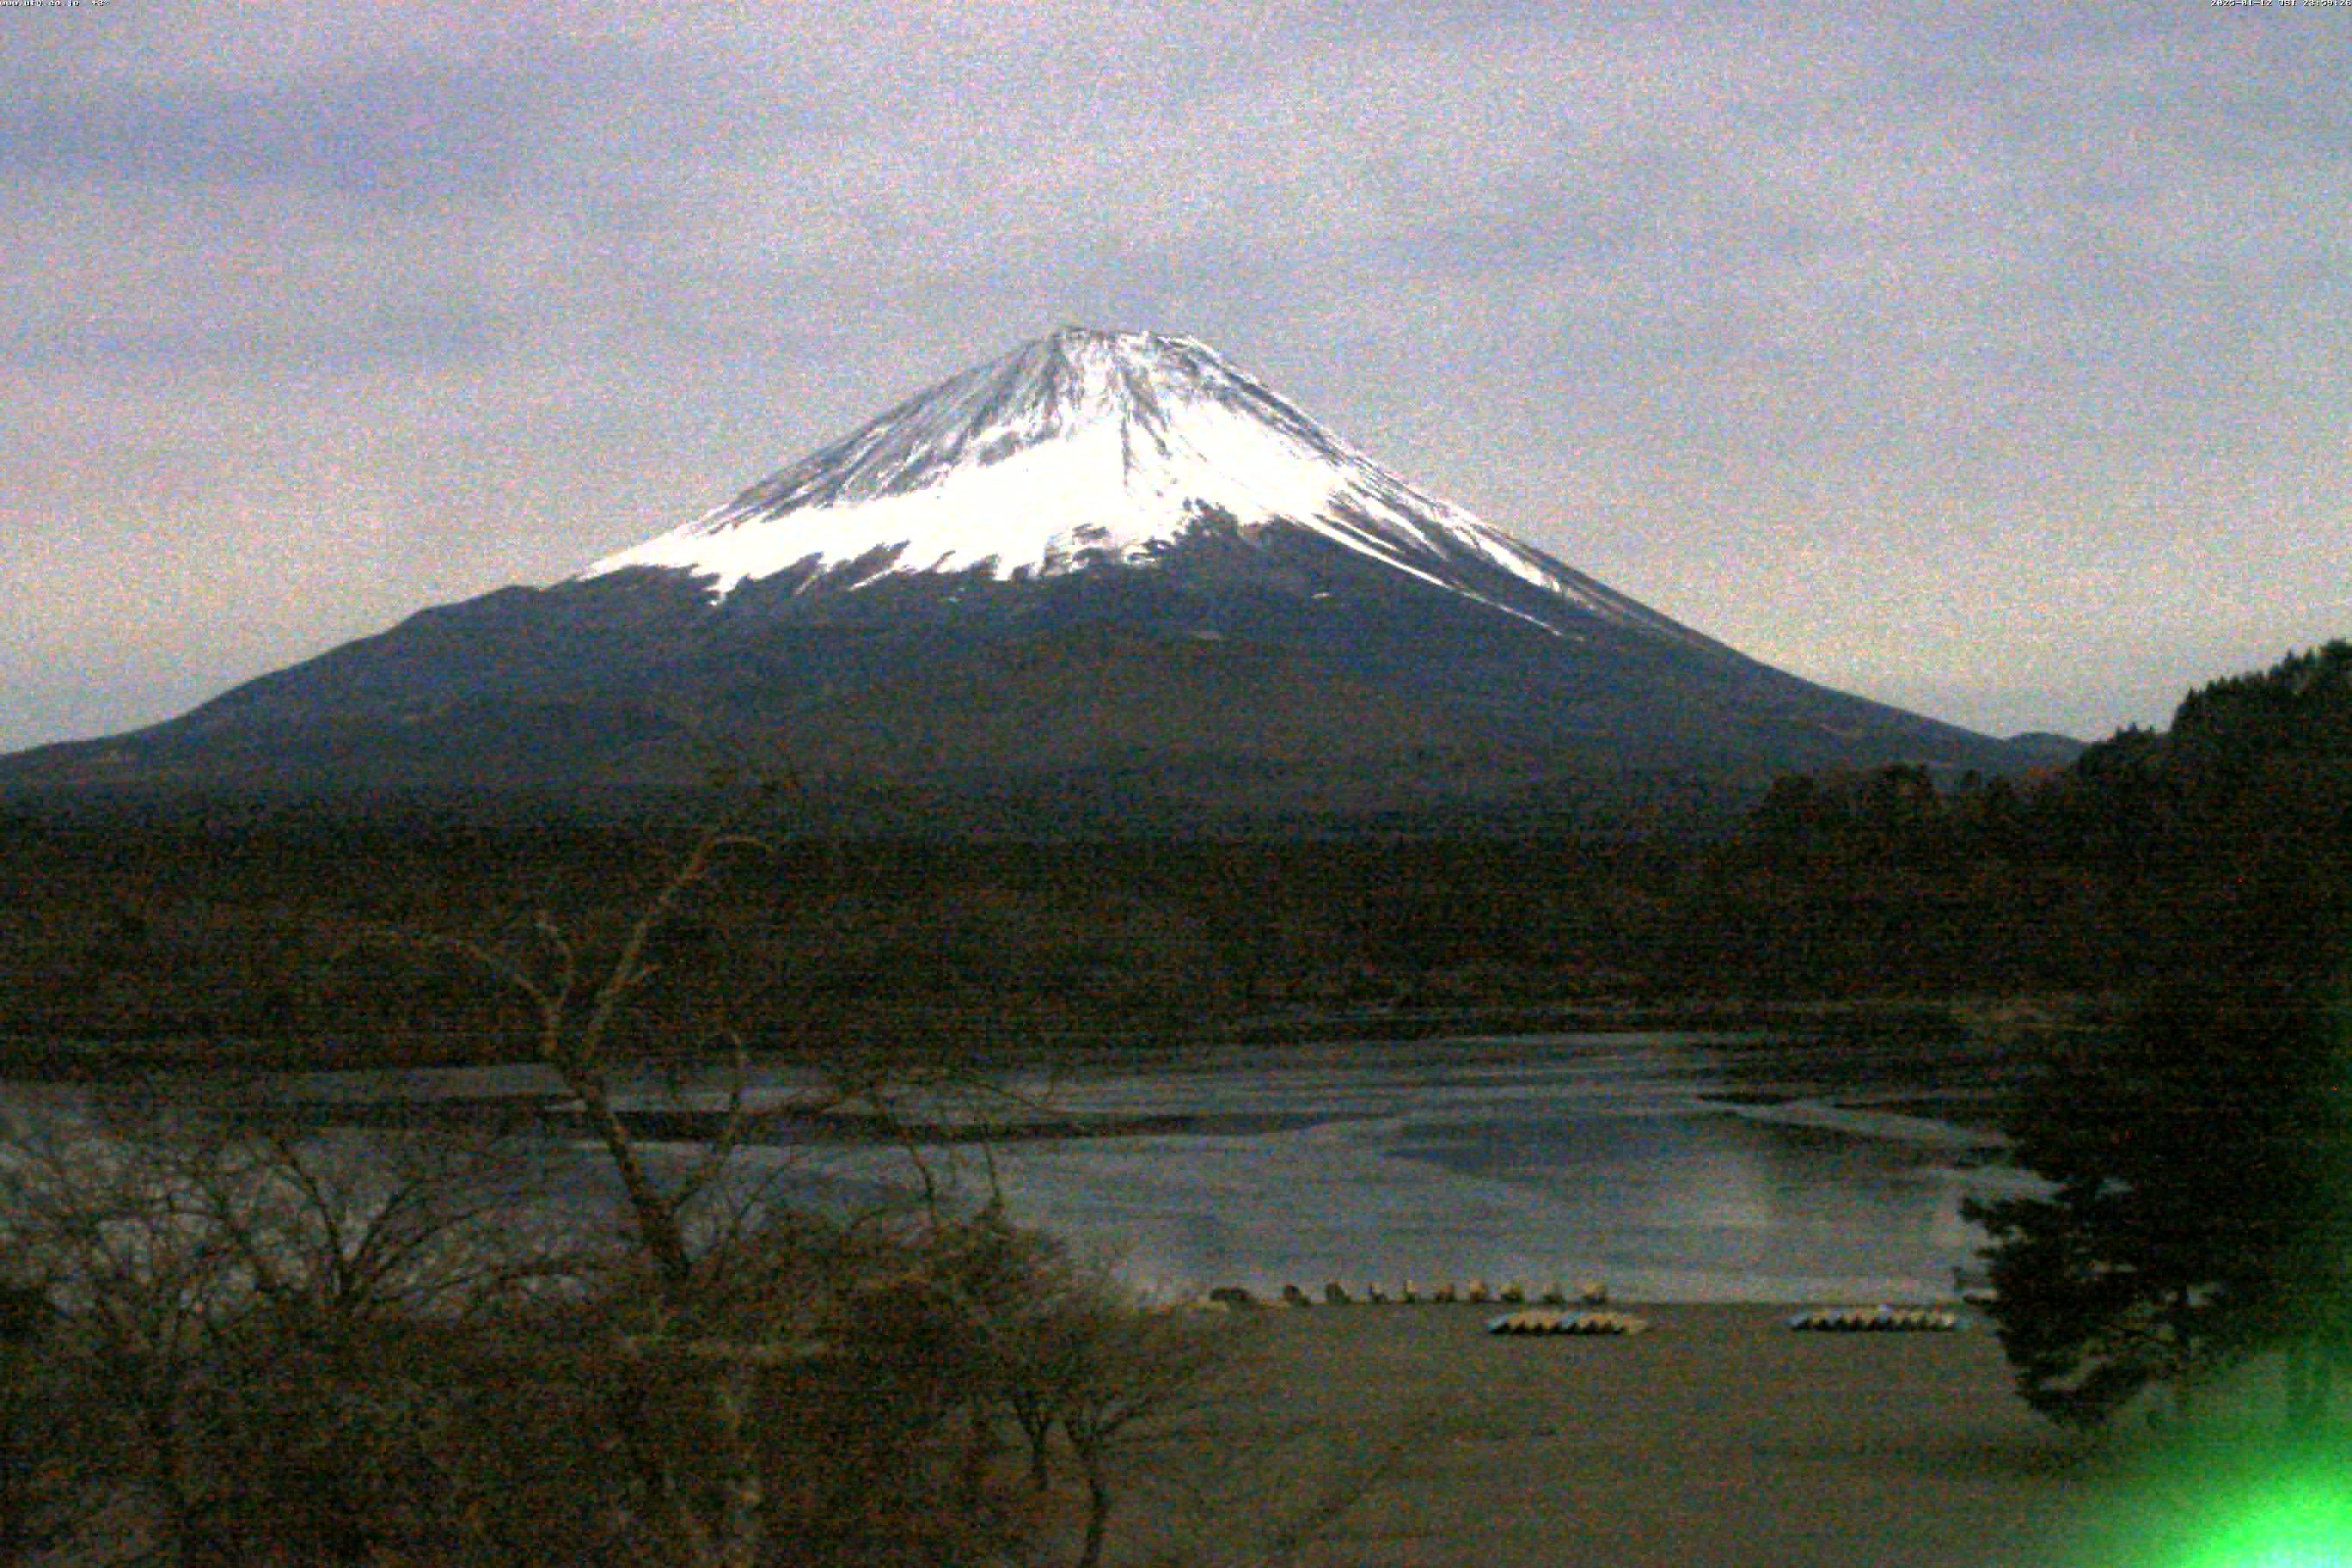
column 202, row 931
column 183, row 942
column 2239, row 816
column 2196, row 1219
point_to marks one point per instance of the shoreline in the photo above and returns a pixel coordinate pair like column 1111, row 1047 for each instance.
column 1932, row 1026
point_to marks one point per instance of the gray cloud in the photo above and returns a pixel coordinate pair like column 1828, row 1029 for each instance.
column 400, row 136
column 1990, row 360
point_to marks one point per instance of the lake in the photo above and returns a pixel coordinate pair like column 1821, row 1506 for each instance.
column 1669, row 1166
column 1673, row 1167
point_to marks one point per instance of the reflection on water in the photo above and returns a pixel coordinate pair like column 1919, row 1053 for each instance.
column 1669, row 1166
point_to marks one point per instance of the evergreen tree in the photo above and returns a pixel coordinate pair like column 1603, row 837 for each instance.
column 2199, row 1158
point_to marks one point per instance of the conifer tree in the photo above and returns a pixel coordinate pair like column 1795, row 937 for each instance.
column 2201, row 1163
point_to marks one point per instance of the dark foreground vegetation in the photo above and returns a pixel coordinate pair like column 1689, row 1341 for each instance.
column 235, row 1339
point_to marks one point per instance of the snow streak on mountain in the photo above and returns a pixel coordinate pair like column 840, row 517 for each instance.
column 1087, row 448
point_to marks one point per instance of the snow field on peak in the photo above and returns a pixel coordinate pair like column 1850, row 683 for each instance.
column 1091, row 447
column 1109, row 484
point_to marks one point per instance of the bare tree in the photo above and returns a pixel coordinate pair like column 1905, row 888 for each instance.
column 230, row 1290
column 726, row 1319
column 1109, row 1372
column 709, row 1298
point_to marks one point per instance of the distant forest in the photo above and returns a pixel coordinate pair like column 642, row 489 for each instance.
column 202, row 932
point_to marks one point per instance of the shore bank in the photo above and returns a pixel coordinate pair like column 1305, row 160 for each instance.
column 1403, row 1436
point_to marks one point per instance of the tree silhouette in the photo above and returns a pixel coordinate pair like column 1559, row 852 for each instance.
column 2198, row 1158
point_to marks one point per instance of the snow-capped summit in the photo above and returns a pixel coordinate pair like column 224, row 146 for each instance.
column 1088, row 447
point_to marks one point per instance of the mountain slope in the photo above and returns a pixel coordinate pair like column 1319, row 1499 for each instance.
column 1216, row 579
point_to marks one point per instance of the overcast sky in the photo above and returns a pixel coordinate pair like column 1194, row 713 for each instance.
column 1991, row 360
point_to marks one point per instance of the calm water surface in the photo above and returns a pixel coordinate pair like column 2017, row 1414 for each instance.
column 1673, row 1167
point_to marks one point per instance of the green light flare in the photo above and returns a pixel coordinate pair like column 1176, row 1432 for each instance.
column 2227, row 1514
column 2305, row 1524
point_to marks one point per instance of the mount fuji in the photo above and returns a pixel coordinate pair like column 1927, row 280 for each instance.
column 1109, row 570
